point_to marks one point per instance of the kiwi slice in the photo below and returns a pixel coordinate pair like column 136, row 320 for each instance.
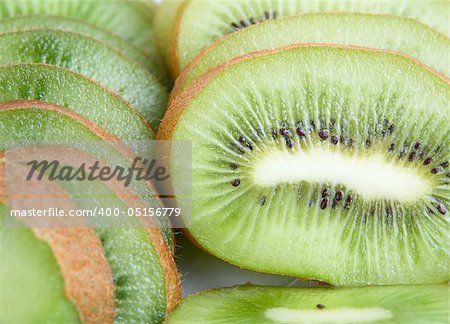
column 335, row 169
column 201, row 22
column 396, row 33
column 28, row 272
column 86, row 56
column 66, row 88
column 82, row 27
column 258, row 304
column 165, row 16
column 129, row 19
column 142, row 275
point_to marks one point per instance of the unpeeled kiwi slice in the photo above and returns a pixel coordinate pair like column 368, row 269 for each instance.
column 201, row 22
column 85, row 97
column 258, row 304
column 135, row 278
column 320, row 162
column 87, row 56
column 28, row 272
column 396, row 33
column 151, row 64
column 129, row 19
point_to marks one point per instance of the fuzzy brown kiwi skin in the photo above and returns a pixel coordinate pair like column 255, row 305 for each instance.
column 95, row 261
column 174, row 67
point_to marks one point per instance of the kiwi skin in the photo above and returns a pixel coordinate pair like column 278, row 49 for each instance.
column 94, row 300
column 177, row 106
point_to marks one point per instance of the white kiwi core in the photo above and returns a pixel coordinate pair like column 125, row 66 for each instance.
column 371, row 176
column 337, row 315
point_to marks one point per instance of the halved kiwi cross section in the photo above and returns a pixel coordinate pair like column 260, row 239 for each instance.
column 320, row 162
column 198, row 23
column 253, row 304
column 395, row 33
column 87, row 56
column 122, row 273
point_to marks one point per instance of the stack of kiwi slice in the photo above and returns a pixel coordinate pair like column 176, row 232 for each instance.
column 320, row 134
column 79, row 72
column 320, row 139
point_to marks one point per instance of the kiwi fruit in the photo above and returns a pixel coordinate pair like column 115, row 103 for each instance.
column 129, row 19
column 200, row 22
column 127, row 273
column 165, row 16
column 259, row 304
column 85, row 97
column 83, row 27
column 90, row 58
column 320, row 162
column 395, row 33
column 22, row 289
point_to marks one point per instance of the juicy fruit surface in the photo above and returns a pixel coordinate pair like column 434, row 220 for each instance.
column 90, row 58
column 247, row 304
column 139, row 280
column 129, row 19
column 32, row 288
column 219, row 18
column 336, row 169
column 65, row 88
column 82, row 27
column 395, row 33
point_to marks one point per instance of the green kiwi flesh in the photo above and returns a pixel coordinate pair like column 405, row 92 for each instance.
column 320, row 162
column 202, row 21
column 258, row 304
column 138, row 276
column 79, row 26
column 65, row 88
column 395, row 33
column 93, row 59
column 129, row 19
column 32, row 288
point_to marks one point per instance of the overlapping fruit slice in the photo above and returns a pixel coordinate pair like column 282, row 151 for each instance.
column 320, row 162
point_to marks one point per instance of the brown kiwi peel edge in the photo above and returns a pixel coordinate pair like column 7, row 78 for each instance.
column 94, row 300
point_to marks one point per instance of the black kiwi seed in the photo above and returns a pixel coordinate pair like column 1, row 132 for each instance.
column 334, row 139
column 417, row 145
column 235, row 26
column 368, row 142
column 334, row 203
column 391, row 128
column 323, row 134
column 434, row 170
column 324, row 193
column 244, row 23
column 274, row 134
column 313, row 125
column 412, row 156
column 235, row 182
column 289, row 142
column 285, row 132
column 301, row 132
column 445, row 164
column 442, row 209
column 263, row 200
column 320, row 306
column 388, row 210
column 428, row 160
column 324, row 203
column 338, row 195
column 252, row 20
column 242, row 139
column 348, row 202
column 233, row 166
